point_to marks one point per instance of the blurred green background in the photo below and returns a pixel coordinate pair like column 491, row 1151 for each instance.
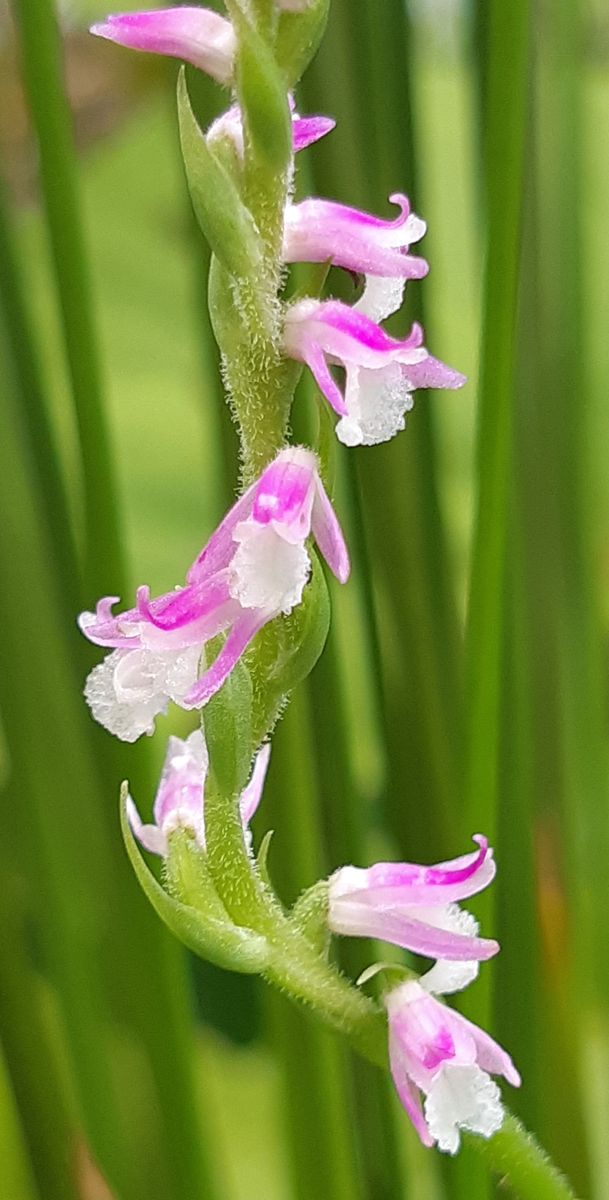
column 464, row 684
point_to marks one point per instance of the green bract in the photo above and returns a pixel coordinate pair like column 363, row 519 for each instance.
column 207, row 931
column 286, row 651
column 225, row 221
column 298, row 38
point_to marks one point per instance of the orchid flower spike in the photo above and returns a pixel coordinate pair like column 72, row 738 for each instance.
column 254, row 568
column 321, row 231
column 196, row 35
column 437, row 1052
column 416, row 908
column 381, row 372
column 305, row 130
column 179, row 802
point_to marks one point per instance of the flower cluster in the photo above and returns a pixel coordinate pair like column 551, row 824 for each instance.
column 255, row 570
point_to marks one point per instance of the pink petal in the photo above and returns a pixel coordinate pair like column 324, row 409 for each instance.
column 355, row 918
column 408, row 883
column 306, row 130
column 284, row 494
column 252, row 794
column 431, row 373
column 183, row 607
column 490, row 1055
column 197, row 35
column 149, row 836
column 241, row 634
column 104, row 629
column 218, row 551
column 407, row 1091
column 329, row 535
column 314, row 358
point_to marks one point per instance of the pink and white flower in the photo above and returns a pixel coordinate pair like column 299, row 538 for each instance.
column 417, row 908
column 196, row 35
column 436, row 1052
column 381, row 371
column 254, row 568
column 321, row 231
column 179, row 802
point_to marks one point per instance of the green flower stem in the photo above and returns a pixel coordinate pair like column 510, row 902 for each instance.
column 246, row 312
column 258, row 379
column 42, row 73
column 525, row 1171
column 295, row 966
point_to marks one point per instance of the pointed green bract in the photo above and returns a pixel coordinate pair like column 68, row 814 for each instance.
column 298, row 38
column 218, row 941
column 225, row 221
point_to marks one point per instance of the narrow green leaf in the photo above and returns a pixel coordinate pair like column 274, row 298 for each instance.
column 222, row 216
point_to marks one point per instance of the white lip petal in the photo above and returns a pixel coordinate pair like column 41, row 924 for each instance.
column 381, row 297
column 377, row 402
column 125, row 715
column 462, row 1097
column 266, row 571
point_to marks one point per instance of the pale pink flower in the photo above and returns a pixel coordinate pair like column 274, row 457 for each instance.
column 437, row 1054
column 322, row 231
column 180, row 803
column 381, row 371
column 254, row 568
column 417, row 908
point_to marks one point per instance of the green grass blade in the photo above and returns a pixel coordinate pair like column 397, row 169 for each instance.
column 507, row 94
column 42, row 73
column 49, row 1130
column 34, row 401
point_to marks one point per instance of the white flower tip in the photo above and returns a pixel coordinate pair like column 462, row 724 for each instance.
column 349, row 432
